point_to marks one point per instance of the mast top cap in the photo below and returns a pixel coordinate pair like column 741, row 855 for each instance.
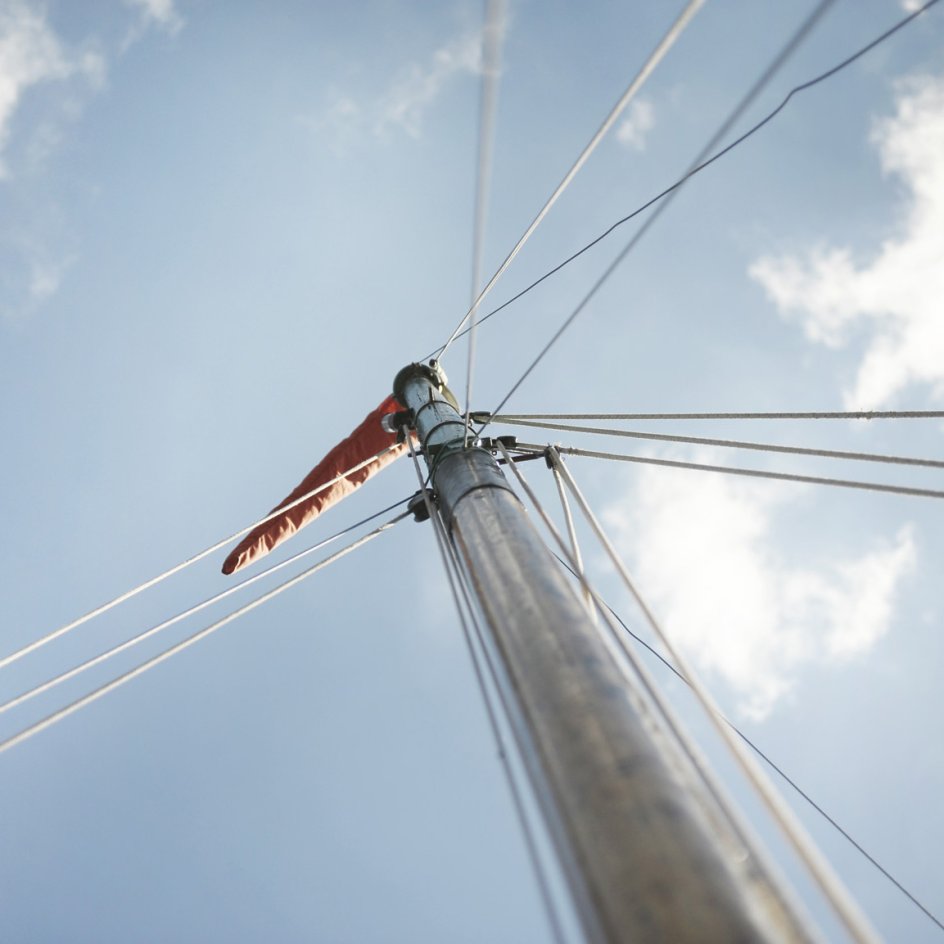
column 432, row 373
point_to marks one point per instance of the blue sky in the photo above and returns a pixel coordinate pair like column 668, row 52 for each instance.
column 224, row 228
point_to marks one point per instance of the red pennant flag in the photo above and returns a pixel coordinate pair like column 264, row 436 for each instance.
column 361, row 449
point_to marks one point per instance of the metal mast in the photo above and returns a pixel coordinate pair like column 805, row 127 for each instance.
column 649, row 853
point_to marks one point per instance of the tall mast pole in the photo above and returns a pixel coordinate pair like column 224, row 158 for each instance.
column 648, row 852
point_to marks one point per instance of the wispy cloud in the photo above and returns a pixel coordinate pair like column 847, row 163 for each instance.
column 30, row 53
column 161, row 13
column 35, row 256
column 896, row 295
column 705, row 553
column 635, row 127
column 33, row 235
column 411, row 94
column 403, row 105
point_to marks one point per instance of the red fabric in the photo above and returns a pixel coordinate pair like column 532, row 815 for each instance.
column 367, row 440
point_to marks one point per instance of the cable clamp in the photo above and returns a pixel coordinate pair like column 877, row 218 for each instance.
column 418, row 508
column 491, row 444
column 397, row 422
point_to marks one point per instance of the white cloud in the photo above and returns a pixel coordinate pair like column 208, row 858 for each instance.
column 408, row 98
column 161, row 13
column 704, row 552
column 912, row 6
column 896, row 295
column 45, row 277
column 635, row 127
column 409, row 95
column 30, row 53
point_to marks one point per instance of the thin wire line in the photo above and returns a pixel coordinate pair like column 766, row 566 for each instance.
column 848, row 415
column 571, row 533
column 767, row 760
column 799, row 88
column 734, row 444
column 454, row 577
column 728, row 123
column 97, row 693
column 675, row 30
column 134, row 591
column 829, row 884
column 757, row 473
column 492, row 33
column 146, row 634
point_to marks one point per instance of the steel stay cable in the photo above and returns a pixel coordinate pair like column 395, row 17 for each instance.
column 675, row 30
column 829, row 884
column 134, row 591
column 769, row 761
column 454, row 577
column 165, row 624
column 731, row 444
column 731, row 470
column 729, row 122
column 846, row 415
column 143, row 667
column 492, row 31
column 799, row 88
column 571, row 534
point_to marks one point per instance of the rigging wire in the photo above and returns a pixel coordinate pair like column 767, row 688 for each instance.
column 700, row 167
column 143, row 667
column 730, row 470
column 467, row 615
column 572, row 535
column 675, row 30
column 768, row 760
column 845, row 415
column 165, row 624
column 177, row 568
column 492, row 34
column 837, row 896
column 801, row 33
column 733, row 444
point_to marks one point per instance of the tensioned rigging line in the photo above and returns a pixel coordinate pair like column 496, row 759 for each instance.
column 177, row 568
column 467, row 615
column 572, row 536
column 143, row 667
column 845, row 909
column 732, row 444
column 770, row 762
column 799, row 88
column 675, row 30
column 792, row 44
column 841, row 415
column 492, row 34
column 159, row 627
column 730, row 470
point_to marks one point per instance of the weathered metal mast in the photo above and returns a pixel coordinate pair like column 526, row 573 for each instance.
column 649, row 853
